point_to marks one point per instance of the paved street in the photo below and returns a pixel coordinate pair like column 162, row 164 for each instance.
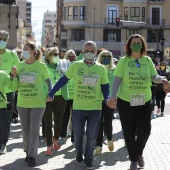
column 157, row 151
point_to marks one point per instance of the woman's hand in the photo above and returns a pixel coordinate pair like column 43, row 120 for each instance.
column 14, row 71
column 112, row 103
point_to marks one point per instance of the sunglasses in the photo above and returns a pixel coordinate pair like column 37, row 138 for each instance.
column 106, row 56
column 137, row 63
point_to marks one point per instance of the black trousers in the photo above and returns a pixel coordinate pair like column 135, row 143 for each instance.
column 136, row 125
column 65, row 120
column 160, row 99
column 105, row 124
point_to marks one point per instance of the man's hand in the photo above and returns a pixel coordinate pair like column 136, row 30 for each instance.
column 49, row 99
column 112, row 103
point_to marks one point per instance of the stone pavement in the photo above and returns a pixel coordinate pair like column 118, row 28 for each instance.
column 156, row 153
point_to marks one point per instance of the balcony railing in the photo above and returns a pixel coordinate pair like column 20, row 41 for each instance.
column 156, row 1
column 155, row 22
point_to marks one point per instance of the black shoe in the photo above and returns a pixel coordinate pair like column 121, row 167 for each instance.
column 27, row 158
column 31, row 162
column 15, row 120
column 79, row 159
column 89, row 165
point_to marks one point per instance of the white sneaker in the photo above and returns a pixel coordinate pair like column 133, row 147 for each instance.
column 3, row 149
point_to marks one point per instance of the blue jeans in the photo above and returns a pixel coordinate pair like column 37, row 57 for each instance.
column 2, row 116
column 7, row 119
column 91, row 119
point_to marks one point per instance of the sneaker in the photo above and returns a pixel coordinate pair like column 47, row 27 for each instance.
column 89, row 165
column 153, row 116
column 63, row 140
column 49, row 151
column 141, row 161
column 3, row 149
column 110, row 145
column 56, row 144
column 27, row 158
column 162, row 113
column 69, row 133
column 79, row 159
column 133, row 166
column 98, row 150
column 31, row 162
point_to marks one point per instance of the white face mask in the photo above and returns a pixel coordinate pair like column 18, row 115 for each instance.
column 55, row 59
column 2, row 44
column 89, row 55
column 26, row 54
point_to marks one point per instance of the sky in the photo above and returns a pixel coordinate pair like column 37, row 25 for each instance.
column 38, row 9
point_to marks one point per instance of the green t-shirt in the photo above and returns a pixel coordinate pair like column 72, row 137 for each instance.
column 31, row 89
column 5, row 81
column 7, row 61
column 88, row 81
column 135, row 80
column 71, row 88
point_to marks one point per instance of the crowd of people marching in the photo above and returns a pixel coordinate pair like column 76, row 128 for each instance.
column 44, row 86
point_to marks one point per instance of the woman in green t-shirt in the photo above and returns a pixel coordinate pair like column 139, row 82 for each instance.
column 32, row 78
column 57, row 106
column 132, row 94
column 105, row 58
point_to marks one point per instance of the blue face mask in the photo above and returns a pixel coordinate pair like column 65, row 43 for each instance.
column 105, row 61
column 2, row 44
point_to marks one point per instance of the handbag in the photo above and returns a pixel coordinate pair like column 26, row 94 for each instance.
column 9, row 105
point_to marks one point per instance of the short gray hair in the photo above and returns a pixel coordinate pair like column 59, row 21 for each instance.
column 92, row 43
column 3, row 32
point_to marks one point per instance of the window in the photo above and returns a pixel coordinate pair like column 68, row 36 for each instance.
column 65, row 13
column 77, row 34
column 126, row 13
column 151, row 37
column 48, row 21
column 135, row 14
column 69, row 13
column 112, row 35
column 112, row 14
column 130, row 32
column 75, row 13
column 156, row 16
column 143, row 13
column 82, row 12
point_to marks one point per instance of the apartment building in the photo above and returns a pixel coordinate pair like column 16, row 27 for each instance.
column 96, row 20
column 49, row 29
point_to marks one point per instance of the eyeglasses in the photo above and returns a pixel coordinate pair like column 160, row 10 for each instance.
column 137, row 63
column 70, row 56
column 55, row 54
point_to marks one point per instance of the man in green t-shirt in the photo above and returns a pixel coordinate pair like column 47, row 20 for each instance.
column 8, row 59
column 90, row 79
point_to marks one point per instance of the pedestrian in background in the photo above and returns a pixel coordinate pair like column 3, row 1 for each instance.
column 54, row 109
column 160, row 93
column 31, row 98
column 105, row 58
column 71, row 56
column 132, row 94
column 91, row 81
column 8, row 59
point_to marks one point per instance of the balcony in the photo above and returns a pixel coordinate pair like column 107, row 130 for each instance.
column 156, row 22
column 156, row 1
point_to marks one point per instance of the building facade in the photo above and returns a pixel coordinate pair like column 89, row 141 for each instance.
column 9, row 21
column 96, row 20
column 49, row 29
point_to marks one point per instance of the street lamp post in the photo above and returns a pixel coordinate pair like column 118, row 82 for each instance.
column 94, row 24
column 162, row 41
